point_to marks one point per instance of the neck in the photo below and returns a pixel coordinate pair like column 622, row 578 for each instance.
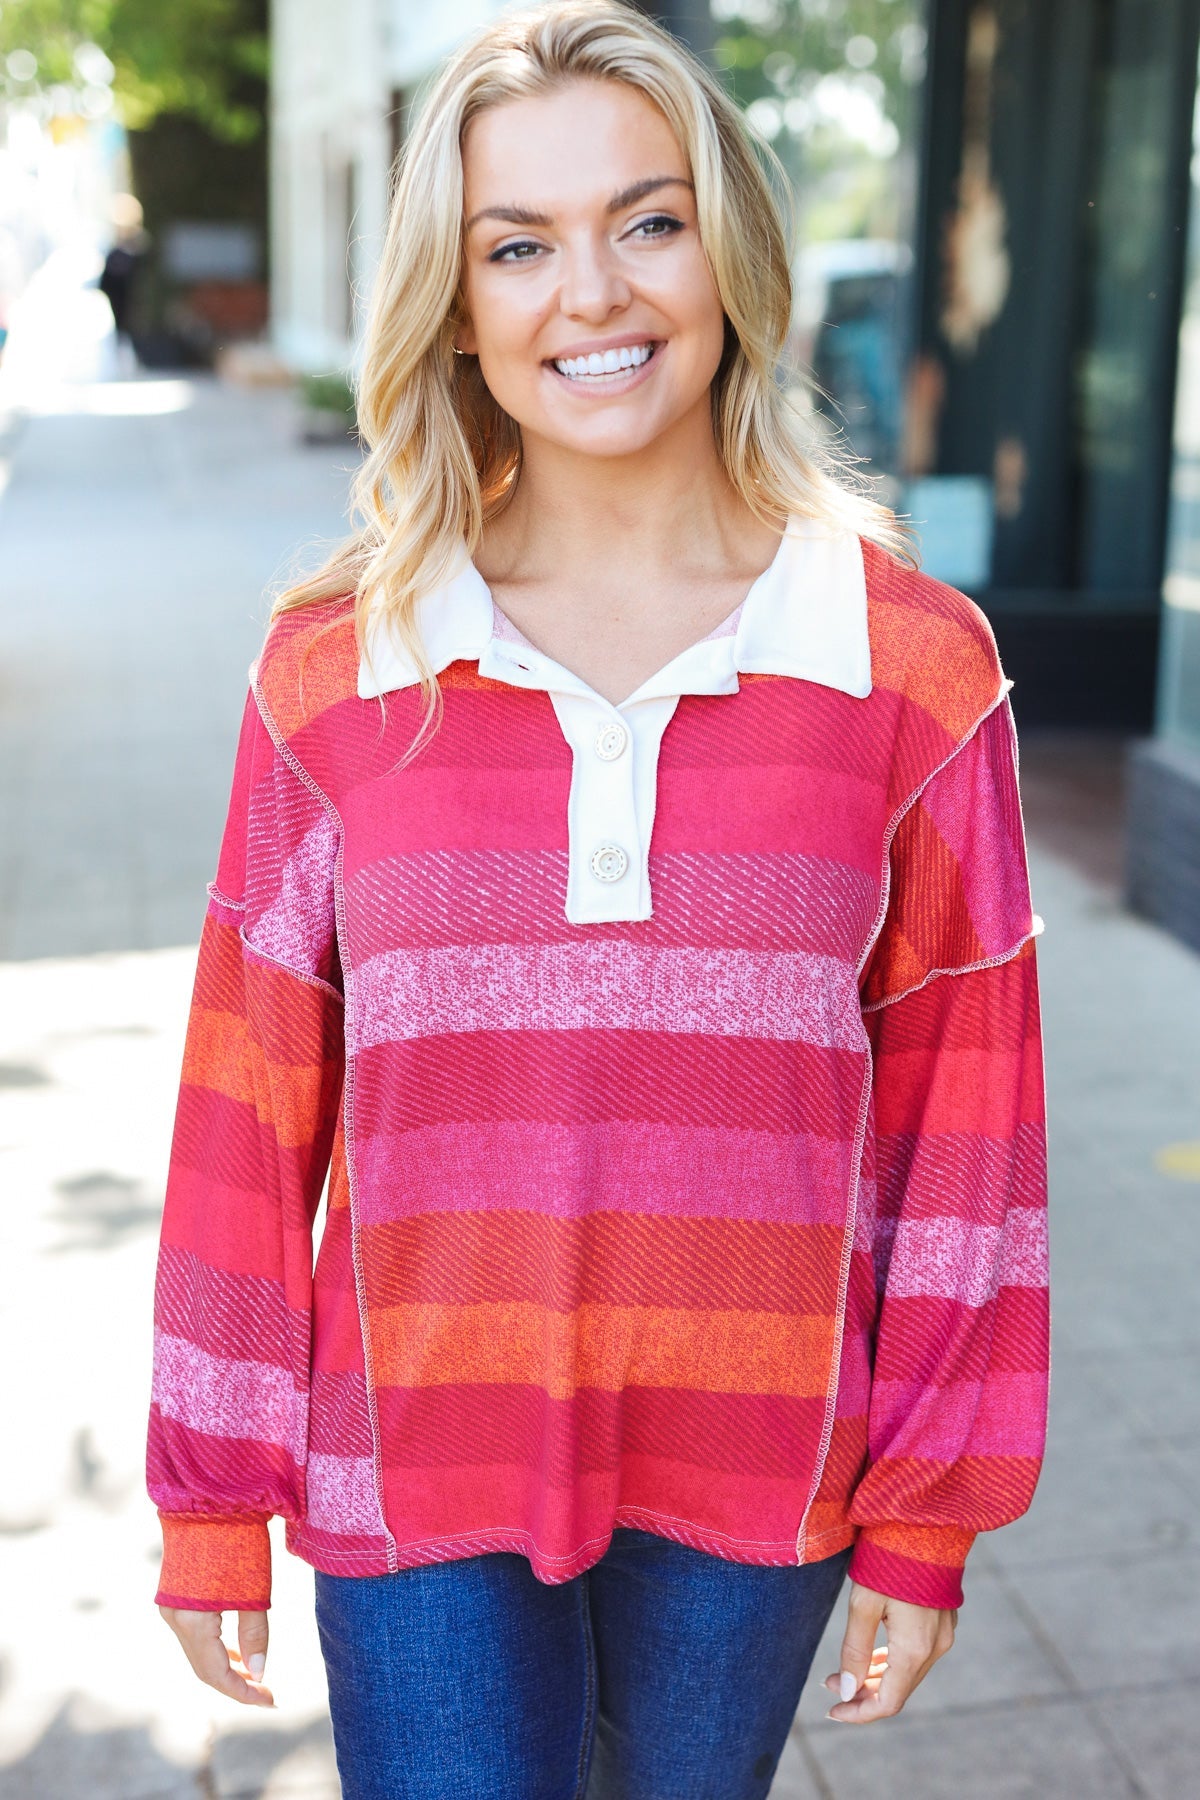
column 670, row 506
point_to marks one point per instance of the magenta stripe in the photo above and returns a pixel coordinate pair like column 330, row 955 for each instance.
column 191, row 1471
column 561, row 1170
column 1003, row 1415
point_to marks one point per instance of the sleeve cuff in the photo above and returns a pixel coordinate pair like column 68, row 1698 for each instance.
column 215, row 1564
column 922, row 1564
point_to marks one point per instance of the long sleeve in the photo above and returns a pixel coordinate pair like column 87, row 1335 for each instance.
column 961, row 1355
column 257, row 1112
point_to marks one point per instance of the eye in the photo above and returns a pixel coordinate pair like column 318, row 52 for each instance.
column 659, row 225
column 523, row 251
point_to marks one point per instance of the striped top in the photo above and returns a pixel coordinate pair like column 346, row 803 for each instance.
column 727, row 1223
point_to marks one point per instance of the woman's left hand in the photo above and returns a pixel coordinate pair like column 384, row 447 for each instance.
column 883, row 1679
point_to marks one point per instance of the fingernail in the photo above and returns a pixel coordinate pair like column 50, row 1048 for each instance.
column 847, row 1685
column 257, row 1664
column 830, row 1716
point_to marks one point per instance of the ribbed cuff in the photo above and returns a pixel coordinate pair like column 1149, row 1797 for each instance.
column 922, row 1564
column 215, row 1564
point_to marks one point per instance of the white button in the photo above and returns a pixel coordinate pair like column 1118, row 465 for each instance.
column 611, row 741
column 609, row 862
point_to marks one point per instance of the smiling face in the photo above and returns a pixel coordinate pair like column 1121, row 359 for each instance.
column 589, row 301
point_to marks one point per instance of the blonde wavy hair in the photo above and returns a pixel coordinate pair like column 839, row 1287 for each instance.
column 442, row 457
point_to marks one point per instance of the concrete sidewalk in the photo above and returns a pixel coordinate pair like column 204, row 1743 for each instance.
column 142, row 523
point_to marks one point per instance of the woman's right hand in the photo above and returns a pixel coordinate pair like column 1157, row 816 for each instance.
column 240, row 1677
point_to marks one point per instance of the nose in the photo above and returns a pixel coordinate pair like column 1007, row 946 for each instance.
column 593, row 284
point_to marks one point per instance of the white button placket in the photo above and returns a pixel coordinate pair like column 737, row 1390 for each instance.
column 610, row 812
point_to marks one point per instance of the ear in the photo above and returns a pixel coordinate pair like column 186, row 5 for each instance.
column 464, row 339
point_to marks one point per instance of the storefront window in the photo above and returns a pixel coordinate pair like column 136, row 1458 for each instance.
column 834, row 86
column 1179, row 684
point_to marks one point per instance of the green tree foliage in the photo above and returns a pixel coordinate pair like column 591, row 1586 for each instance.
column 780, row 48
column 202, row 58
column 834, row 86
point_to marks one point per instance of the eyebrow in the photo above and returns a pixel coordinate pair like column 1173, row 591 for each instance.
column 629, row 196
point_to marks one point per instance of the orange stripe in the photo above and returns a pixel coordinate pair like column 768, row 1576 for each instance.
column 608, row 1347
column 310, row 663
column 215, row 1562
column 945, row 1544
column 934, row 661
column 222, row 1057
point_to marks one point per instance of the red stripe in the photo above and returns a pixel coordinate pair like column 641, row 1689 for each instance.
column 226, row 1314
column 459, row 1425
column 621, row 1259
column 935, row 1340
column 592, row 1077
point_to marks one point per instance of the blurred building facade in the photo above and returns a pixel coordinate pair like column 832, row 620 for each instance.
column 998, row 290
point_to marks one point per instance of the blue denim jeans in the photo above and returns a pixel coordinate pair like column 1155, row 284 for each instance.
column 662, row 1673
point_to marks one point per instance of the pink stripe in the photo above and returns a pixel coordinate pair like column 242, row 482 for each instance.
column 341, row 1495
column 227, row 1398
column 1002, row 1415
column 296, row 928
column 949, row 1259
column 582, row 986
column 629, row 1168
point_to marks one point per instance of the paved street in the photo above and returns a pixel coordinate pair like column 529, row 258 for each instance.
column 141, row 527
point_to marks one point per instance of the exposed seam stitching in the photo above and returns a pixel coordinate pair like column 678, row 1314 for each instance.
column 839, row 1321
column 860, row 1133
column 649, row 1512
column 214, row 893
column 893, row 826
column 297, row 767
column 277, row 962
column 988, row 962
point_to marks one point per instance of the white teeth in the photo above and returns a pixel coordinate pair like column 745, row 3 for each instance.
column 601, row 364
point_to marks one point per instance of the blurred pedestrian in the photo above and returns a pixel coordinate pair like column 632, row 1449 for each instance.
column 118, row 279
column 623, row 898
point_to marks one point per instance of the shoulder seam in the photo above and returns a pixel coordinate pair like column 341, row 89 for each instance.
column 987, row 962
column 893, row 823
column 286, row 753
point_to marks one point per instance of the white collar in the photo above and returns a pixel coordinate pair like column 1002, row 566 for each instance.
column 805, row 616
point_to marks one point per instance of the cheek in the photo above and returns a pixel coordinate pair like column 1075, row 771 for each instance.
column 505, row 315
column 695, row 306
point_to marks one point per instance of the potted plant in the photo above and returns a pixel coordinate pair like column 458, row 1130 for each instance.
column 327, row 409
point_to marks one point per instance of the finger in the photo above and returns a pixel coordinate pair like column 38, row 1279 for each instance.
column 880, row 1699
column 858, row 1645
column 200, row 1635
column 252, row 1642
column 879, row 1660
column 869, row 1686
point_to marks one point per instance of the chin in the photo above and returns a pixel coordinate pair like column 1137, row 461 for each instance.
column 607, row 438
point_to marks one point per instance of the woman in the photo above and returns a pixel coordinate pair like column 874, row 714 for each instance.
column 624, row 898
